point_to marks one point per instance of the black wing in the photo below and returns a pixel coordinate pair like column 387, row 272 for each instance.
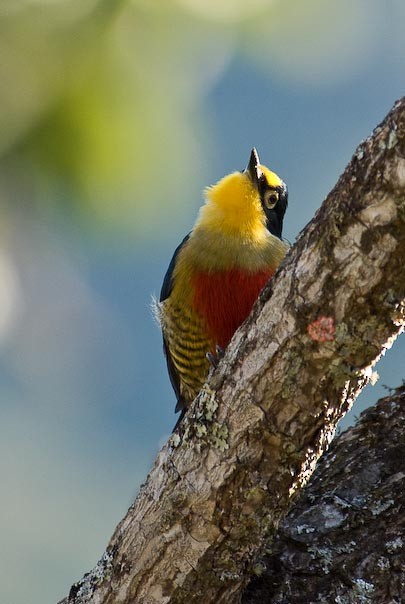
column 167, row 285
column 165, row 292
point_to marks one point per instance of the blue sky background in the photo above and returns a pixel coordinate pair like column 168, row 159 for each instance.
column 113, row 118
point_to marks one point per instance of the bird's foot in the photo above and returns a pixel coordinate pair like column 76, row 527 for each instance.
column 220, row 352
column 214, row 359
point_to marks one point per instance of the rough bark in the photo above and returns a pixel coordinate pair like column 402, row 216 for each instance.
column 344, row 539
column 251, row 440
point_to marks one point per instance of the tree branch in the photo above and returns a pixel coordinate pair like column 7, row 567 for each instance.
column 344, row 539
column 251, row 440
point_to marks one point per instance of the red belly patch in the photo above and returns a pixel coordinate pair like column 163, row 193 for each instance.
column 224, row 299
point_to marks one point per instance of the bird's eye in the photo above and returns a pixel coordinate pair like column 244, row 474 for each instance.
column 270, row 199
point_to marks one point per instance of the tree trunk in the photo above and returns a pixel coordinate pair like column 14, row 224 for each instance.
column 344, row 540
column 251, row 440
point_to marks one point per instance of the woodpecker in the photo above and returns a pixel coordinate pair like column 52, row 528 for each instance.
column 218, row 271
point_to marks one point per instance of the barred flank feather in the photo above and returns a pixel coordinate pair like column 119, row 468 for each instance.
column 188, row 346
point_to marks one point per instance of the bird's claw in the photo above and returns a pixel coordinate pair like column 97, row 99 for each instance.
column 214, row 359
column 220, row 352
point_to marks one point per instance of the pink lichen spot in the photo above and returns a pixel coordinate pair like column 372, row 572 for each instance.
column 322, row 329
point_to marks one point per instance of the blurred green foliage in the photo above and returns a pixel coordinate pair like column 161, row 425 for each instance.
column 96, row 96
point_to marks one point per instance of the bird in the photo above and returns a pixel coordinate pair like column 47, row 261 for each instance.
column 218, row 271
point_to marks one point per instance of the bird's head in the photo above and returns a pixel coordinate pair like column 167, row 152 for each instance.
column 244, row 202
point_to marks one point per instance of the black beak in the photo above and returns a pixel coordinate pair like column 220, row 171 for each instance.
column 253, row 168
